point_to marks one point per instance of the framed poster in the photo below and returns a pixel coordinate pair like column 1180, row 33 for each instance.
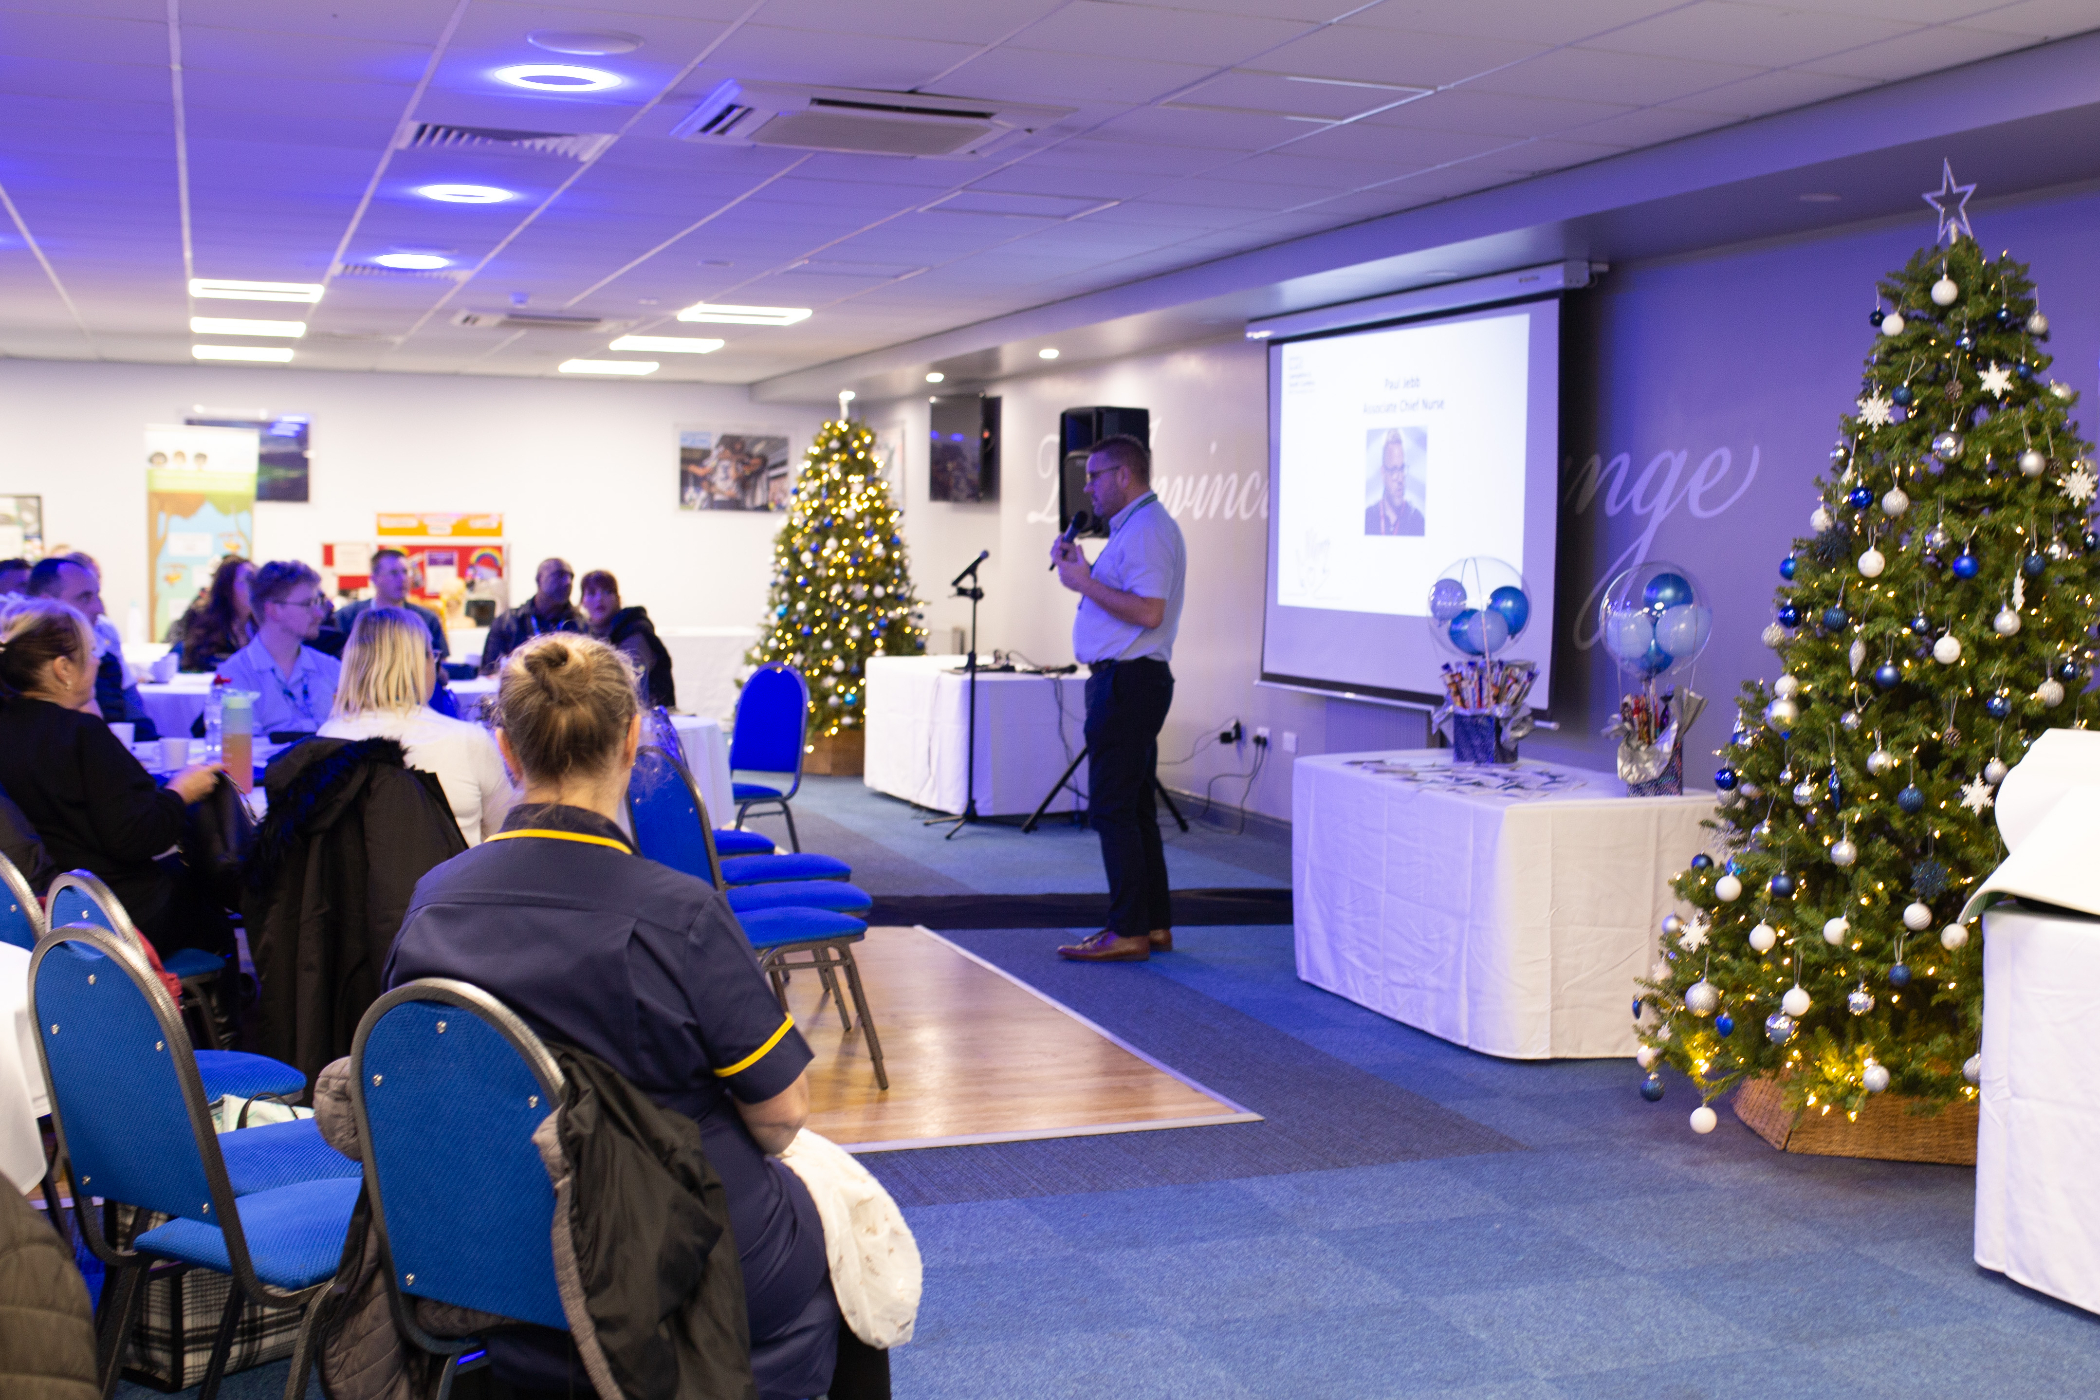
column 22, row 527
column 281, row 463
column 731, row 471
column 200, row 506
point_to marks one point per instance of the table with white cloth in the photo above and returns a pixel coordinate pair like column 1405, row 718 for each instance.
column 22, row 1097
column 177, row 704
column 705, row 665
column 1507, row 909
column 2038, row 1132
column 1029, row 729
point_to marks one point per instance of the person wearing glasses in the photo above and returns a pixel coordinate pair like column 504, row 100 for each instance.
column 293, row 684
column 1129, row 611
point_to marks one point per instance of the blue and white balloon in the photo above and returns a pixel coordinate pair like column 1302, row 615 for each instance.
column 1477, row 607
column 1655, row 619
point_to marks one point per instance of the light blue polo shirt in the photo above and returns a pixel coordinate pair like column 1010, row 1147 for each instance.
column 1144, row 555
column 301, row 701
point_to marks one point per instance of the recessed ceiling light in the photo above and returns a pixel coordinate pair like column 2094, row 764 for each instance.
column 220, row 289
column 1047, row 352
column 557, row 77
column 223, row 325
column 465, row 194
column 413, row 262
column 597, row 42
column 261, row 354
column 668, row 344
column 608, row 366
column 745, row 315
column 936, row 377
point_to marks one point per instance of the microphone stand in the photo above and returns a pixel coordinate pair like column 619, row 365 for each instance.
column 975, row 593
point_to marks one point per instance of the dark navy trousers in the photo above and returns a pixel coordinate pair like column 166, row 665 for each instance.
column 1126, row 703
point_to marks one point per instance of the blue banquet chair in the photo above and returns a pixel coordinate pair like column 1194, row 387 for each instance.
column 663, row 732
column 662, row 792
column 447, row 1086
column 670, row 826
column 80, row 897
column 133, row 1128
column 22, row 920
column 772, row 724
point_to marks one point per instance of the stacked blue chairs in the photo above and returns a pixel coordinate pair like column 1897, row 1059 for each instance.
column 133, row 1127
column 79, row 897
column 671, row 826
column 772, row 724
column 447, row 1087
column 663, row 732
column 22, row 921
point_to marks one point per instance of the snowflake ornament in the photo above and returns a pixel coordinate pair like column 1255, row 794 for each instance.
column 1874, row 410
column 1996, row 380
column 1694, row 936
column 1976, row 795
column 2079, row 483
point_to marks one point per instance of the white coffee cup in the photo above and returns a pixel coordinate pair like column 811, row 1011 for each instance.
column 163, row 669
column 175, row 753
column 127, row 734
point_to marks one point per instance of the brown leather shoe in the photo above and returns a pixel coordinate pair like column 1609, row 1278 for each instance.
column 1108, row 946
column 1162, row 940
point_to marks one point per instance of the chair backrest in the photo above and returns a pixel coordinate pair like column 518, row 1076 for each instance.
column 663, row 733
column 669, row 818
column 22, row 918
column 80, row 897
column 772, row 719
column 448, row 1086
column 126, row 1100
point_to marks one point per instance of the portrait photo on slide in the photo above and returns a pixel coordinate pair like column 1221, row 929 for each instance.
column 1396, row 475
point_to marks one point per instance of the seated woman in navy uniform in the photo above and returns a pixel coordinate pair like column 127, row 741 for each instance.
column 647, row 969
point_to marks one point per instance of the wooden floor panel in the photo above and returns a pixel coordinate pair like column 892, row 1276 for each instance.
column 975, row 1056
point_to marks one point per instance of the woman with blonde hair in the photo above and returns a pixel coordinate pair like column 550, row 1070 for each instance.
column 384, row 693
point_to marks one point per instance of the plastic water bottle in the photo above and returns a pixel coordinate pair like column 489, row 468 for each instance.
column 215, row 719
column 237, row 721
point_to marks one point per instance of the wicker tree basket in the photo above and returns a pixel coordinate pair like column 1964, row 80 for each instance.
column 1887, row 1128
column 838, row 755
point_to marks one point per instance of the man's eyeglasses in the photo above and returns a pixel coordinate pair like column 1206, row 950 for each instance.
column 316, row 601
column 1090, row 476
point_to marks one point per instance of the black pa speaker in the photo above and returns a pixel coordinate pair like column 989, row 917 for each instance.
column 1078, row 429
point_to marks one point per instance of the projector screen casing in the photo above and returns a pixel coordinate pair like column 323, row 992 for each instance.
column 1389, row 656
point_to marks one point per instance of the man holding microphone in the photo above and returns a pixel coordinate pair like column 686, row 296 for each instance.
column 1129, row 611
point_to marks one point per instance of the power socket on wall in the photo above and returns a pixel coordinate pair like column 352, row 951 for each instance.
column 1231, row 734
column 1261, row 737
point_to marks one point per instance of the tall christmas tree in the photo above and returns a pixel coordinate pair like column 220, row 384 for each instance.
column 841, row 583
column 1932, row 626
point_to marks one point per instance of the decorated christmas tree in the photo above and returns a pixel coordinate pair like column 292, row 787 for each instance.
column 841, row 584
column 1933, row 624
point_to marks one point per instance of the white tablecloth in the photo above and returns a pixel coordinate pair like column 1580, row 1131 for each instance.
column 176, row 705
column 22, row 1097
column 1505, row 909
column 707, row 754
column 705, row 664
column 1028, row 729
column 2037, row 1197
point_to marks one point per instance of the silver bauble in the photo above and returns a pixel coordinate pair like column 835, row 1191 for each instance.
column 1947, row 446
column 1945, row 292
column 2038, row 324
column 2050, row 692
column 1972, row 1068
column 1849, row 721
column 1872, row 563
column 1751, row 791
column 1860, row 1002
column 1892, row 324
column 1702, row 998
column 1779, row 1028
column 1795, row 1002
column 1947, row 650
column 1728, row 889
column 1775, row 636
column 1843, row 852
column 2033, row 463
column 2006, row 623
column 1672, row 925
column 1646, row 1056
column 1804, row 793
column 1937, row 538
column 1894, row 502
column 1917, row 916
column 1875, row 1077
column 1834, row 930
column 1880, row 761
column 1781, row 715
column 1954, row 938
column 1820, row 519
column 1763, row 937
column 1994, row 772
column 1786, row 687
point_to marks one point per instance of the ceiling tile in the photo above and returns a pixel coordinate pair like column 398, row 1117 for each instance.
column 1495, row 113
column 2043, row 19
column 1594, row 75
column 1090, row 27
column 760, row 52
column 1764, row 35
column 1767, row 92
column 1021, row 76
column 1646, row 126
column 956, row 21
column 1399, row 56
column 1925, row 51
column 1526, row 21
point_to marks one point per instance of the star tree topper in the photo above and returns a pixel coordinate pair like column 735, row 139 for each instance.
column 1954, row 221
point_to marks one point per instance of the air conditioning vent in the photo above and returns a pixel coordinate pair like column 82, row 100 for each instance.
column 860, row 122
column 437, row 136
column 527, row 321
column 425, row 274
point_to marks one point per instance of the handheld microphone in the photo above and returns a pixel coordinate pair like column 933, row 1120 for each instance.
column 1080, row 521
column 982, row 555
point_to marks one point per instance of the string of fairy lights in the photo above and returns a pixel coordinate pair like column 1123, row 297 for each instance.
column 841, row 588
column 1938, row 618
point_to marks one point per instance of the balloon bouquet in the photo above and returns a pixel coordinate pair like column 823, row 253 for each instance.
column 1654, row 620
column 1477, row 608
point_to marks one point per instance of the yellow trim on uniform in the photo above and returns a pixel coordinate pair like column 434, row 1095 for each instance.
column 621, row 846
column 760, row 1053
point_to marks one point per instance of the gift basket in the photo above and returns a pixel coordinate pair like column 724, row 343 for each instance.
column 1477, row 608
column 1654, row 621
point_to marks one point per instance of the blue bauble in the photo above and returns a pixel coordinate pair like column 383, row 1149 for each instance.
column 1887, row 676
column 1636, row 1008
column 1966, row 565
column 1787, row 567
column 1509, row 600
column 1652, row 1088
column 1921, row 625
column 1724, row 1025
column 2024, row 370
column 1789, row 615
column 2069, row 673
column 1900, row 394
column 1724, row 779
column 1702, row 861
column 1860, row 498
column 1911, row 800
column 1899, row 975
column 1667, row 591
column 1834, row 619
column 2034, row 564
column 2091, row 541
column 1875, row 319
column 1784, row 885
column 1966, row 341
column 1997, row 706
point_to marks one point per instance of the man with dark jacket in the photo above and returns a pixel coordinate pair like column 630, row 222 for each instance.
column 389, row 590
column 629, row 632
column 548, row 610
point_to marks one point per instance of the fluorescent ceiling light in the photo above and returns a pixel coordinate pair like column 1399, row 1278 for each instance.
column 557, row 77
column 745, row 315
column 608, row 366
column 224, row 325
column 413, row 262
column 465, row 194
column 936, row 377
column 1047, row 352
column 261, row 354
column 668, row 344
column 220, row 289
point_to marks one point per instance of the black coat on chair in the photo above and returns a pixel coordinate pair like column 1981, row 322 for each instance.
column 351, row 829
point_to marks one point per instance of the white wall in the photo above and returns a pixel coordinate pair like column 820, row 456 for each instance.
column 587, row 470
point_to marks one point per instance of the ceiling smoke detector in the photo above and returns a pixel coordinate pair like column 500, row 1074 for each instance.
column 860, row 122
